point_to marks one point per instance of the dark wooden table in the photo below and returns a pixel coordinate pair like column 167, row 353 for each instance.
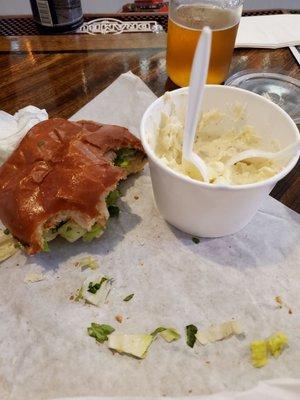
column 62, row 73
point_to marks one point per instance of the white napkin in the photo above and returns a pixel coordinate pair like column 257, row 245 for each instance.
column 269, row 31
column 14, row 127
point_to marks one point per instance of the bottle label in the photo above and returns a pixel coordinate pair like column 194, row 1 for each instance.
column 44, row 11
column 59, row 12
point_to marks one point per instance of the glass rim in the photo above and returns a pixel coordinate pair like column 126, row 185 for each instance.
column 221, row 3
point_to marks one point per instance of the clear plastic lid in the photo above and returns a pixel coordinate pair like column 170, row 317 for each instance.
column 281, row 89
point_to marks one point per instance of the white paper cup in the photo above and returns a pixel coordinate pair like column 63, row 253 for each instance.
column 208, row 210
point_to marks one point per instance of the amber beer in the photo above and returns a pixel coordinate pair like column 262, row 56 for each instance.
column 185, row 25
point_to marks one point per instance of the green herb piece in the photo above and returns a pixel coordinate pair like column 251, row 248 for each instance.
column 196, row 240
column 41, row 143
column 6, row 231
column 191, row 331
column 94, row 287
column 114, row 211
column 113, row 197
column 19, row 245
column 100, row 332
column 129, row 297
column 168, row 334
column 95, row 232
column 124, row 157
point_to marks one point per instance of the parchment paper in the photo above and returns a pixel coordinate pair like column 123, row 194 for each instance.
column 45, row 351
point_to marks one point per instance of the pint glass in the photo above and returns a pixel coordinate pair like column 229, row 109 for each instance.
column 187, row 18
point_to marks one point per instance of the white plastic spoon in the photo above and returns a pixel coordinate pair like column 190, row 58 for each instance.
column 192, row 162
column 287, row 152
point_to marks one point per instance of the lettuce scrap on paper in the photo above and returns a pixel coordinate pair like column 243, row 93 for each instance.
column 261, row 349
column 259, row 353
column 87, row 262
column 7, row 245
column 136, row 345
column 191, row 331
column 168, row 334
column 100, row 332
column 219, row 332
column 94, row 290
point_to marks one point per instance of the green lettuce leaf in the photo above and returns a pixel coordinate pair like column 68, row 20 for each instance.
column 135, row 345
column 100, row 332
column 191, row 331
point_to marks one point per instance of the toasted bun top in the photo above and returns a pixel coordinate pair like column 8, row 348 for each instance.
column 58, row 166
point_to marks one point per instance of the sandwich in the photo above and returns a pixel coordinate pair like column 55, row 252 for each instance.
column 62, row 181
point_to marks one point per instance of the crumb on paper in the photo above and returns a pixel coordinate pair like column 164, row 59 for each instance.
column 282, row 304
column 278, row 300
column 33, row 277
column 119, row 318
column 136, row 197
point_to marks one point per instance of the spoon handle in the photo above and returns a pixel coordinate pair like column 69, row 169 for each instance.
column 287, row 152
column 290, row 150
column 196, row 90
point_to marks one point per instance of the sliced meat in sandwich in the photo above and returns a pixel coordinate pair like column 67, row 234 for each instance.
column 62, row 180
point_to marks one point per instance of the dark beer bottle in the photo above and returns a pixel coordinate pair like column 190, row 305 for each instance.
column 57, row 16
